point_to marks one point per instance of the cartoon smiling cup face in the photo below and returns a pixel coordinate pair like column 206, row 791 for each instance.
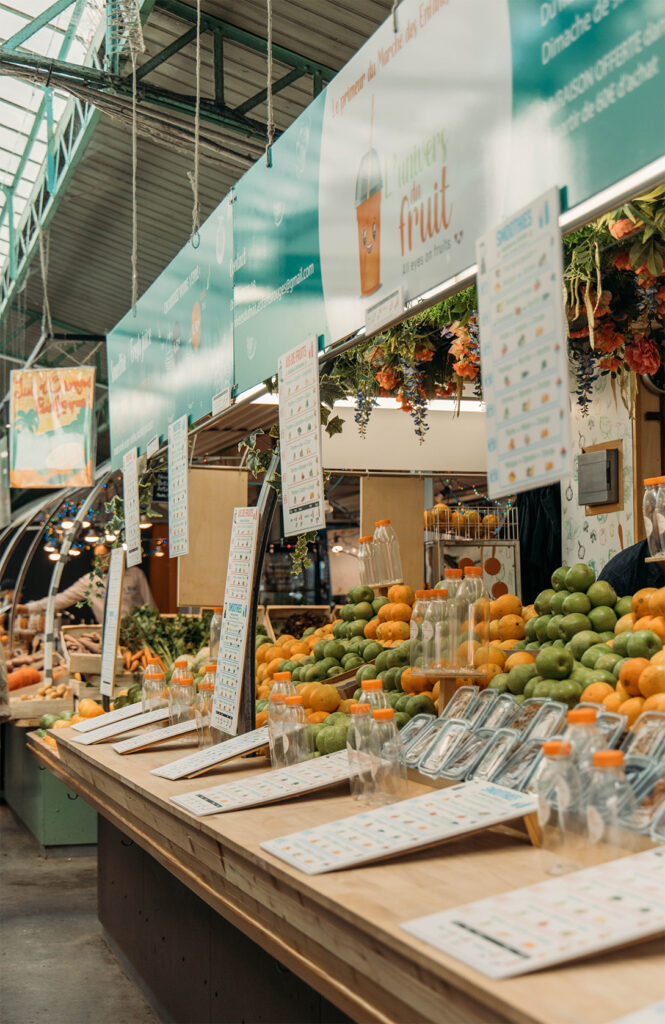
column 368, row 215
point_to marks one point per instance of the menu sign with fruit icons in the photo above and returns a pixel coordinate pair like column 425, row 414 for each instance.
column 303, row 500
column 178, row 488
column 524, row 353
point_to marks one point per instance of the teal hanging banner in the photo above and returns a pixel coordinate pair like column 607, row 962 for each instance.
column 177, row 352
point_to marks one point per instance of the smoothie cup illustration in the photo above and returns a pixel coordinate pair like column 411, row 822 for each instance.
column 368, row 215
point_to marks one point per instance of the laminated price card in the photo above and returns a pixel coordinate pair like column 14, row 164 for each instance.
column 112, row 607
column 400, row 827
column 303, row 500
column 178, row 489
column 119, row 715
column 577, row 915
column 209, row 757
column 155, row 736
column 269, row 786
column 523, row 350
column 235, row 618
column 130, row 490
column 116, row 728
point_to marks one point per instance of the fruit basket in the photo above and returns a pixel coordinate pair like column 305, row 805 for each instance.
column 295, row 618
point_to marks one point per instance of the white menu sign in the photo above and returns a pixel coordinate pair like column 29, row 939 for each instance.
column 150, row 739
column 130, row 490
column 118, row 727
column 523, row 349
column 582, row 913
column 400, row 827
column 114, row 581
column 119, row 715
column 235, row 619
column 303, row 500
column 269, row 786
column 202, row 760
column 178, row 489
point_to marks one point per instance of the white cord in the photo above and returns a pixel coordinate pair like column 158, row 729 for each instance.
column 271, row 122
column 135, row 241
column 194, row 178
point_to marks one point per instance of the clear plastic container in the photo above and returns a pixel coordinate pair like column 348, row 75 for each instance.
column 452, row 581
column 360, row 754
column 489, row 766
column 610, row 724
column 462, row 703
column 473, row 617
column 659, row 518
column 215, row 631
column 414, row 728
column 465, row 756
column 180, row 670
column 418, row 613
column 152, row 687
column 155, row 692
column 418, row 746
column 373, row 694
column 650, row 799
column 649, row 498
column 381, row 554
column 609, row 801
column 432, row 633
column 182, row 698
column 276, row 713
column 282, row 684
column 394, row 555
column 558, row 790
column 521, row 765
column 388, row 763
column 548, row 723
column 584, row 736
column 503, row 710
column 476, row 713
column 203, row 711
column 444, row 746
column 647, row 736
column 657, row 830
column 366, row 569
column 297, row 737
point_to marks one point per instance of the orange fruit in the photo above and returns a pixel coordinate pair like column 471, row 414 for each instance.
column 261, row 719
column 625, row 623
column 488, row 672
column 315, row 717
column 264, row 691
column 89, row 708
column 629, row 674
column 76, row 718
column 612, row 702
column 273, row 666
column 652, row 680
column 507, row 645
column 384, row 612
column 307, row 692
column 529, row 612
column 655, row 703
column 657, row 602
column 346, row 705
column 401, row 594
column 311, row 642
column 511, row 627
column 435, row 691
column 641, row 600
column 413, row 684
column 633, row 708
column 299, row 647
column 261, row 653
column 508, row 604
column 489, row 655
column 400, row 612
column 658, row 658
column 658, row 626
column 483, row 630
column 494, row 629
column 369, row 632
column 643, row 623
column 61, row 724
column 300, row 687
column 400, row 630
column 260, row 673
column 597, row 692
column 494, row 615
column 50, row 741
column 519, row 658
column 325, row 698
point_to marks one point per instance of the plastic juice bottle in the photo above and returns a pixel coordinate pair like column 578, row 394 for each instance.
column 282, row 684
column 366, row 560
column 215, row 631
column 180, row 669
column 203, row 709
column 151, row 694
column 182, row 697
column 584, row 736
column 609, row 799
column 381, row 556
column 388, row 763
column 395, row 574
column 359, row 753
column 558, row 790
column 416, row 628
column 474, row 606
column 659, row 517
column 452, row 582
column 297, row 737
column 372, row 694
column 651, row 485
column 276, row 716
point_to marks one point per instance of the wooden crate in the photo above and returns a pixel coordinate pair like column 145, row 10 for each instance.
column 263, row 620
column 90, row 687
column 85, row 663
column 30, row 711
column 277, row 614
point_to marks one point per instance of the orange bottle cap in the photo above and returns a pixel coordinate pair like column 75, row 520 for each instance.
column 212, row 667
column 180, row 663
column 282, row 677
column 553, row 748
column 383, row 714
column 582, row 716
column 277, row 698
column 293, row 699
column 218, row 611
column 650, row 481
column 608, row 759
column 453, row 574
column 439, row 592
column 153, row 661
column 473, row 570
column 360, row 709
column 157, row 675
column 364, row 540
column 185, row 681
column 371, row 685
column 420, row 593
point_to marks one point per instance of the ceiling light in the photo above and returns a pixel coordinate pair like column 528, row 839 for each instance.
column 158, row 554
column 74, row 552
column 124, row 547
column 50, row 547
column 144, row 526
column 91, row 538
column 54, row 556
column 110, row 537
column 337, row 546
column 85, row 524
column 67, row 524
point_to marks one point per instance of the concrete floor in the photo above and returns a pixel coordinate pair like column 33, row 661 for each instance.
column 55, row 968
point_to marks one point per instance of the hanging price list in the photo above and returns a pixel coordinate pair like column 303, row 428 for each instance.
column 178, row 489
column 303, row 502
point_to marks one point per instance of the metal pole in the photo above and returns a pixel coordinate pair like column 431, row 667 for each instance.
column 69, row 537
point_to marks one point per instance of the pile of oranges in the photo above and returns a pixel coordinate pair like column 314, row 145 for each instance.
column 270, row 656
column 320, row 700
column 391, row 623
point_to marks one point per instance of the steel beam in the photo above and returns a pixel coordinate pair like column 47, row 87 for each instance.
column 163, row 55
column 262, row 95
column 218, row 65
column 35, row 24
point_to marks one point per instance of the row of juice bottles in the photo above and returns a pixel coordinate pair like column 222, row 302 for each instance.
column 653, row 512
column 376, row 755
column 184, row 700
column 379, row 557
column 446, row 621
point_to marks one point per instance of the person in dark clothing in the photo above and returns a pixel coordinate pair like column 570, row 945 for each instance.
column 628, row 572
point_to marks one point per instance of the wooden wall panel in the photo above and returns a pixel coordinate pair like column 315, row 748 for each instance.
column 402, row 500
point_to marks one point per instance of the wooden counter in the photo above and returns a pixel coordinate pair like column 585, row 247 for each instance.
column 340, row 932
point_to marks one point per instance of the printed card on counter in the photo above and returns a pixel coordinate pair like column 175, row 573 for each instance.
column 202, row 760
column 524, row 351
column 269, row 787
column 119, row 715
column 178, row 464
column 117, row 728
column 576, row 915
column 303, row 499
column 112, row 616
column 397, row 828
column 155, row 736
column 130, row 491
column 235, row 619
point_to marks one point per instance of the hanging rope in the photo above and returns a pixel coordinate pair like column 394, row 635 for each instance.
column 135, row 230
column 270, row 126
column 394, row 14
column 47, row 325
column 194, row 178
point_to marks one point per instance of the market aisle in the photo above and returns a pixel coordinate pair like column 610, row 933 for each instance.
column 54, row 965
